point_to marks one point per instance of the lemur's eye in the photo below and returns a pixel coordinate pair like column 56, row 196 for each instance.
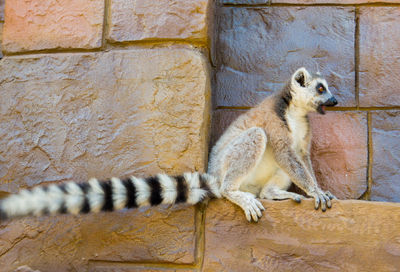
column 321, row 89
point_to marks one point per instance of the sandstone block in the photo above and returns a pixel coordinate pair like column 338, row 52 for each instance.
column 47, row 24
column 136, row 268
column 133, row 20
column 338, row 153
column 379, row 52
column 259, row 48
column 386, row 154
column 245, row 2
column 66, row 243
column 352, row 236
column 74, row 116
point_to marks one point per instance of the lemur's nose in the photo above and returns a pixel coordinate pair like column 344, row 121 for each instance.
column 331, row 102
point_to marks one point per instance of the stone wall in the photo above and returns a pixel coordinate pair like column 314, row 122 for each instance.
column 122, row 87
column 103, row 88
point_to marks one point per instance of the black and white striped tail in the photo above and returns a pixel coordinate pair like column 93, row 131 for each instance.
column 115, row 194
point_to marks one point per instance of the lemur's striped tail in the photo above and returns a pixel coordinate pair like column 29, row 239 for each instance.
column 115, row 194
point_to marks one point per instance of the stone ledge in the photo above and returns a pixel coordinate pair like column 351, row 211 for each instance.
column 352, row 236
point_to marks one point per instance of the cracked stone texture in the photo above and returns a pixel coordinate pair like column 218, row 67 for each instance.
column 259, row 48
column 75, row 116
column 386, row 156
column 72, row 116
column 136, row 268
column 379, row 54
column 133, row 20
column 67, row 243
column 352, row 236
column 245, row 2
column 46, row 24
column 338, row 153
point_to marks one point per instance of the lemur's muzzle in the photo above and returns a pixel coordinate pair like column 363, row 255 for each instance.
column 329, row 103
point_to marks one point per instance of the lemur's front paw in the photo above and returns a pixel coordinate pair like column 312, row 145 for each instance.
column 322, row 199
column 330, row 195
column 252, row 208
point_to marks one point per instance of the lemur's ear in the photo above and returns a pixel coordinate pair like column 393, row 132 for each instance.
column 301, row 77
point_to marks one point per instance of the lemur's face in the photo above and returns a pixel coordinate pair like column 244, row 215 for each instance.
column 311, row 92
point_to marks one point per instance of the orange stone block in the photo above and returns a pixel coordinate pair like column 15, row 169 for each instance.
column 47, row 24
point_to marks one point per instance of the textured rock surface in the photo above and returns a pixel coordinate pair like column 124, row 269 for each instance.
column 386, row 156
column 339, row 149
column 47, row 24
column 136, row 268
column 158, row 19
column 259, row 48
column 67, row 243
column 379, row 54
column 340, row 152
column 352, row 236
column 73, row 116
column 245, row 2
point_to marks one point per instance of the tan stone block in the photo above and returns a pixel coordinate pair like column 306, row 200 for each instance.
column 386, row 154
column 136, row 268
column 132, row 20
column 47, row 24
column 352, row 236
column 259, row 47
column 340, row 152
column 379, row 54
column 66, row 243
column 339, row 149
column 74, row 116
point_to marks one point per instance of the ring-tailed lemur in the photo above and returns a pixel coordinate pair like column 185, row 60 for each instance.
column 259, row 155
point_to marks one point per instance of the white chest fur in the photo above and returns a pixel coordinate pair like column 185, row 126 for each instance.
column 299, row 127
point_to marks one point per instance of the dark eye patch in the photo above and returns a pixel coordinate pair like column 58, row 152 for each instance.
column 320, row 88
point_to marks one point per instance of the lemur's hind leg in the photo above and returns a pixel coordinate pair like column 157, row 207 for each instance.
column 275, row 188
column 240, row 157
